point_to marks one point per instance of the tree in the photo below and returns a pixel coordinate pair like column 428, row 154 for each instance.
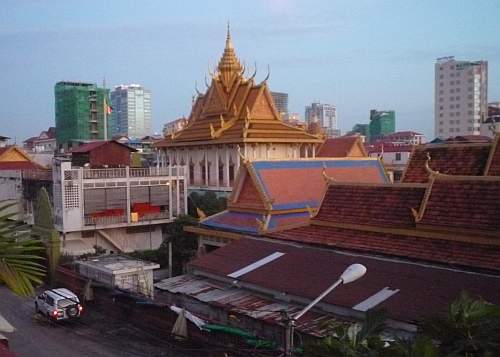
column 471, row 327
column 352, row 340
column 20, row 255
column 184, row 244
column 44, row 229
column 209, row 203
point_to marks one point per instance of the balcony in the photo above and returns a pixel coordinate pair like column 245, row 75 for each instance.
column 132, row 172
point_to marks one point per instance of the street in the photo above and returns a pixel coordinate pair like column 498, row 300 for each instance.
column 94, row 335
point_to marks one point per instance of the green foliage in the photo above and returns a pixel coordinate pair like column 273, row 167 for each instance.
column 44, row 229
column 20, row 255
column 471, row 327
column 184, row 244
column 352, row 340
column 209, row 203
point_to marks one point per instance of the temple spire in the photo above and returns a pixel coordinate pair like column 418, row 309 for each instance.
column 229, row 42
column 229, row 67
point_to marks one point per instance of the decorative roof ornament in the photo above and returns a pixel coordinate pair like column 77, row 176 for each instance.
column 267, row 76
column 229, row 67
column 202, row 215
column 196, row 88
column 427, row 167
column 242, row 157
column 325, row 175
column 254, row 72
column 206, row 83
column 311, row 211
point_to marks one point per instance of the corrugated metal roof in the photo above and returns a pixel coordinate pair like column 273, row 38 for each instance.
column 245, row 302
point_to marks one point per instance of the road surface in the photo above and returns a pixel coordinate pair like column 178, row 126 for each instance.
column 95, row 335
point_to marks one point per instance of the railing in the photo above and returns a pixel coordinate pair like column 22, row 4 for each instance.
column 45, row 175
column 105, row 220
column 145, row 217
column 104, row 173
column 133, row 172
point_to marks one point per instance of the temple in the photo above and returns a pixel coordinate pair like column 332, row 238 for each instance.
column 236, row 118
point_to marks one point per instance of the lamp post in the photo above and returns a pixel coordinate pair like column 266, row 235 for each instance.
column 352, row 273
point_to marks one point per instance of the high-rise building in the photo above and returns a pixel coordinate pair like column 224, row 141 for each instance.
column 79, row 109
column 461, row 97
column 382, row 122
column 326, row 114
column 131, row 114
column 281, row 103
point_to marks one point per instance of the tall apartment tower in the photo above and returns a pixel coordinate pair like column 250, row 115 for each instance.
column 131, row 114
column 281, row 103
column 79, row 109
column 461, row 97
column 326, row 114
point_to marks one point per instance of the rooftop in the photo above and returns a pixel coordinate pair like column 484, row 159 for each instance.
column 118, row 264
column 342, row 147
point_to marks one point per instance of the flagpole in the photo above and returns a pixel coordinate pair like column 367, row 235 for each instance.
column 105, row 102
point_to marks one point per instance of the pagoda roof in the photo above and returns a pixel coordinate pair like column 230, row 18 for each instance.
column 235, row 109
column 468, row 158
column 275, row 195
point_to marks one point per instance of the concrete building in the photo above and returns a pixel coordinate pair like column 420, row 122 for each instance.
column 122, row 272
column 382, row 123
column 281, row 103
column 118, row 209
column 174, row 126
column 80, row 113
column 131, row 114
column 326, row 114
column 461, row 97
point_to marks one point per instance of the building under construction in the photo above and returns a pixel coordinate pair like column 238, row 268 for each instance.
column 80, row 111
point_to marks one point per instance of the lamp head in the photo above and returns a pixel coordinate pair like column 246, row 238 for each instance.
column 352, row 273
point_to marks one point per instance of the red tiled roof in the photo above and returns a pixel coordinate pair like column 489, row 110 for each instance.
column 469, row 139
column 402, row 133
column 91, row 146
column 338, row 147
column 19, row 165
column 494, row 167
column 453, row 253
column 377, row 205
column 306, row 272
column 388, row 147
column 464, row 204
column 450, row 159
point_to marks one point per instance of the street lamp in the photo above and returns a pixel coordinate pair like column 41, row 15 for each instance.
column 352, row 273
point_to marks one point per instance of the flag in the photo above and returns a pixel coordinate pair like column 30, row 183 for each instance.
column 108, row 109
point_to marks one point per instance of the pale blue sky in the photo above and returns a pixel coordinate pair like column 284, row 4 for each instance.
column 357, row 55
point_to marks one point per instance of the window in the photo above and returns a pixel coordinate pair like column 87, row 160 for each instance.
column 221, row 173
column 231, row 173
column 398, row 156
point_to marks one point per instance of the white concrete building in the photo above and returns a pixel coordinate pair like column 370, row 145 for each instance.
column 461, row 97
column 131, row 115
column 118, row 209
column 122, row 272
column 326, row 114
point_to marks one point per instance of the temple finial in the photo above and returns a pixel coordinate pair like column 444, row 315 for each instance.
column 229, row 42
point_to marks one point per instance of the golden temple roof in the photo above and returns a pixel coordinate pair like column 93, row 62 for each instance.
column 235, row 109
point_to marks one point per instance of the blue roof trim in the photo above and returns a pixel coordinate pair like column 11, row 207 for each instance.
column 275, row 218
column 211, row 222
column 295, row 205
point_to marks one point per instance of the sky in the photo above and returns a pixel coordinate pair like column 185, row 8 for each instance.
column 358, row 55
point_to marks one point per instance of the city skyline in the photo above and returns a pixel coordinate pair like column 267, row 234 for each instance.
column 321, row 50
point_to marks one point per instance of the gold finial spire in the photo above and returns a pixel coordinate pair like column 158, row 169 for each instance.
column 229, row 67
column 229, row 42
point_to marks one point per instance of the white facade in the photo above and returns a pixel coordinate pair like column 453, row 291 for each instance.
column 326, row 114
column 116, row 209
column 460, row 97
column 122, row 272
column 214, row 167
column 131, row 114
